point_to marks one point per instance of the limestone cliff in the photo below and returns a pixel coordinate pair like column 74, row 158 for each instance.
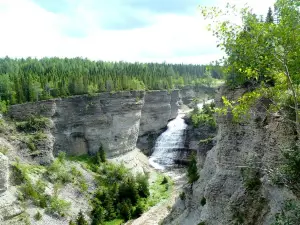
column 223, row 195
column 189, row 93
column 81, row 124
column 159, row 107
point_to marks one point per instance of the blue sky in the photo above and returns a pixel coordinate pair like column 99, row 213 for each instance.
column 128, row 30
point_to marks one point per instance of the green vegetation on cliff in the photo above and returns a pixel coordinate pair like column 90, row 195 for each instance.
column 263, row 59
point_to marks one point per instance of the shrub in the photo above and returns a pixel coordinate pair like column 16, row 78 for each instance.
column 251, row 178
column 33, row 124
column 38, row 216
column 204, row 116
column 182, row 196
column 58, row 206
column 203, row 201
column 142, row 185
column 71, row 222
column 3, row 106
column 164, row 181
column 290, row 213
column 192, row 170
column 3, row 150
column 81, row 219
column 291, row 168
column 100, row 156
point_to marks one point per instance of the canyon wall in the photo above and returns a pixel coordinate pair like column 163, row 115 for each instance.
column 235, row 186
column 190, row 93
column 81, row 124
column 116, row 121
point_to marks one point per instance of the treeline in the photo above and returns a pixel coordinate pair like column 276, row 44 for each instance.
column 23, row 80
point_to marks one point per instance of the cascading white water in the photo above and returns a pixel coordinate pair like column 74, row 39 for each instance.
column 168, row 143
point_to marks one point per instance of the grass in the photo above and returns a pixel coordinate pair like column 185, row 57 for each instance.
column 114, row 222
column 160, row 190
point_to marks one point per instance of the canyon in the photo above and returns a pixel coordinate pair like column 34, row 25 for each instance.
column 116, row 121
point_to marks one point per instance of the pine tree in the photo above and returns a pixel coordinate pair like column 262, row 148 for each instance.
column 80, row 219
column 192, row 170
column 102, row 154
column 270, row 18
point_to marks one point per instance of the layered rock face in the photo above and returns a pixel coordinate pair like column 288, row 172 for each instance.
column 3, row 173
column 244, row 153
column 189, row 93
column 159, row 107
column 156, row 111
column 81, row 124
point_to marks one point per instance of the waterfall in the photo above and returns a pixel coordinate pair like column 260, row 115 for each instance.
column 168, row 143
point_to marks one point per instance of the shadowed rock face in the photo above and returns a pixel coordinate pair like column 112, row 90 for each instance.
column 189, row 93
column 156, row 111
column 81, row 124
column 3, row 173
column 254, row 144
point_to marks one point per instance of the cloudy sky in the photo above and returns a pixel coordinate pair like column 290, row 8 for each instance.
column 112, row 30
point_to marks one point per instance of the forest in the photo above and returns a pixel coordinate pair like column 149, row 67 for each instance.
column 30, row 79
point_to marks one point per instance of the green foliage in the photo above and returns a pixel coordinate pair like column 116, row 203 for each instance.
column 27, row 80
column 289, row 171
column 165, row 180
column 119, row 195
column 201, row 223
column 100, row 156
column 203, row 201
column 38, row 216
column 182, row 196
column 71, row 222
column 142, row 185
column 81, row 219
column 192, row 170
column 58, row 206
column 204, row 116
column 3, row 150
column 289, row 215
column 3, row 106
column 33, row 124
column 261, row 54
column 251, row 178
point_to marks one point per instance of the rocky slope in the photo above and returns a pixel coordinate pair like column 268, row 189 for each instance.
column 235, row 184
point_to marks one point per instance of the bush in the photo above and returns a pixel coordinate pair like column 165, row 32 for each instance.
column 290, row 213
column 251, row 178
column 58, row 206
column 205, row 116
column 182, row 196
column 38, row 216
column 192, row 171
column 33, row 124
column 203, row 201
column 81, row 219
column 164, row 181
column 142, row 185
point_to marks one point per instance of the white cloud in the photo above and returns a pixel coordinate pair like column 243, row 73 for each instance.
column 29, row 30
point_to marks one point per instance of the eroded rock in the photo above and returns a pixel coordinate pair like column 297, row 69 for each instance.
column 4, row 174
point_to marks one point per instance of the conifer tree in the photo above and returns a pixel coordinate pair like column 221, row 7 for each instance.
column 270, row 18
column 81, row 219
column 192, row 170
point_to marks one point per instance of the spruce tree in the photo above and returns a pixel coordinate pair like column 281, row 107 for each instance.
column 192, row 170
column 80, row 219
column 270, row 18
